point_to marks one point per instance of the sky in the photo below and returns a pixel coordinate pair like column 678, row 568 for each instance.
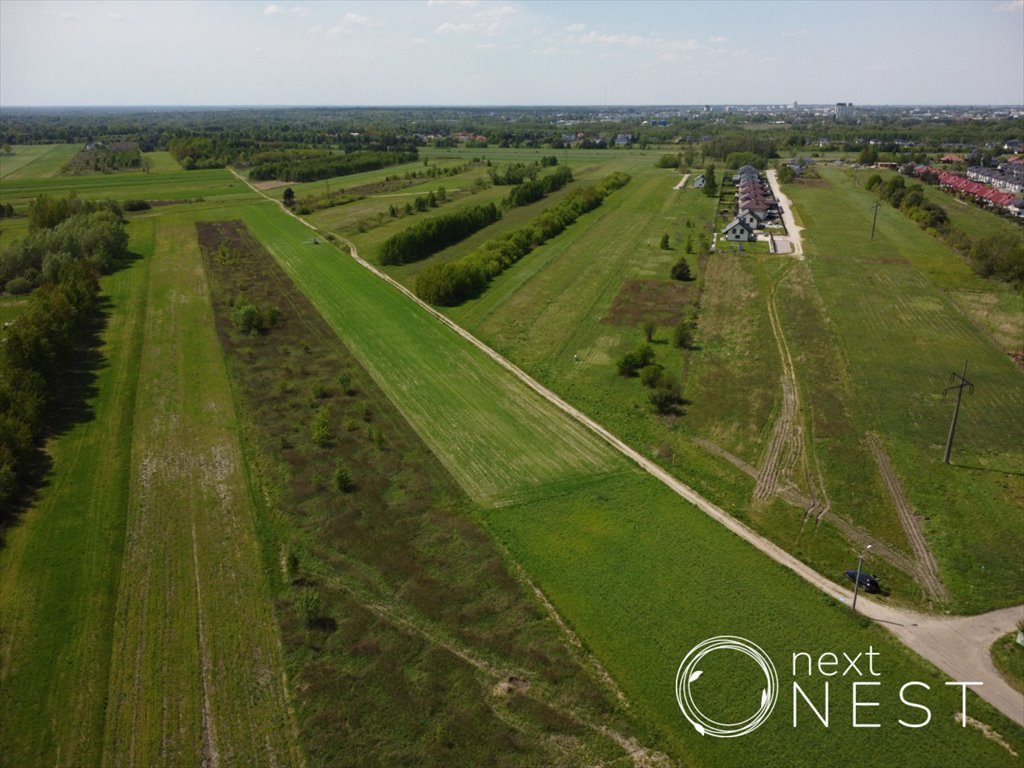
column 476, row 52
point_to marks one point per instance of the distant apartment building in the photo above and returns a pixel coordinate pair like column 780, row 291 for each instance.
column 844, row 110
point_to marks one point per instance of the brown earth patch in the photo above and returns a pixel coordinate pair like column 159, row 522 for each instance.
column 660, row 300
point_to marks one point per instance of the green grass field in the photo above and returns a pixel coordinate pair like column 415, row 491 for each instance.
column 640, row 575
column 900, row 336
column 35, row 161
column 168, row 186
column 134, row 602
column 497, row 437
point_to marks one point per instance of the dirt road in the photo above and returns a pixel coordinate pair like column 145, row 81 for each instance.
column 682, row 181
column 787, row 215
column 958, row 646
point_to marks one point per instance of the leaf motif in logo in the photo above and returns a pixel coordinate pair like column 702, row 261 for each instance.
column 764, row 696
column 699, row 727
column 695, row 675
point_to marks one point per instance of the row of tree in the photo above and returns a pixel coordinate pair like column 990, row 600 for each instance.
column 453, row 282
column 299, row 166
column 34, row 353
column 534, row 190
column 95, row 235
column 428, row 237
column 1000, row 256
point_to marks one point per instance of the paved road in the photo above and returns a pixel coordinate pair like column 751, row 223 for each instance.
column 956, row 645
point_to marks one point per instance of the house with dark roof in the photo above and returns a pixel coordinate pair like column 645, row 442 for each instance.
column 738, row 231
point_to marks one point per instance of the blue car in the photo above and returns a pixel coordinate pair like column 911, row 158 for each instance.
column 867, row 583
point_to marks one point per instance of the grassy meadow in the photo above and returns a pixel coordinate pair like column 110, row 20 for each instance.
column 152, row 594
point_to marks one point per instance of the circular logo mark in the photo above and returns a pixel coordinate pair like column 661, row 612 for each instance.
column 689, row 673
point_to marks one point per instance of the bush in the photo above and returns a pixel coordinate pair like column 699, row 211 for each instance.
column 631, row 363
column 136, row 205
column 666, row 397
column 321, row 431
column 311, row 607
column 421, row 240
column 247, row 318
column 665, row 242
column 18, row 286
column 681, row 270
column 342, row 477
column 682, row 336
column 650, row 375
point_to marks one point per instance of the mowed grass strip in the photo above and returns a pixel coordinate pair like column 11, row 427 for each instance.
column 60, row 566
column 496, row 436
column 196, row 673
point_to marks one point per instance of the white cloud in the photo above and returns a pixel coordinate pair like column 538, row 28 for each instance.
column 463, row 3
column 1011, row 6
column 277, row 10
column 578, row 27
column 718, row 40
column 348, row 22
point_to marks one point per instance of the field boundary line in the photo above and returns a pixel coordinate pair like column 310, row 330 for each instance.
column 899, row 621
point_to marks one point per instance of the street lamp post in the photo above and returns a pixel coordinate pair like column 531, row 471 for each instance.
column 856, row 583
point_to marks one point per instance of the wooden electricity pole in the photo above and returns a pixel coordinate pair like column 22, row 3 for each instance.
column 956, row 411
column 875, row 218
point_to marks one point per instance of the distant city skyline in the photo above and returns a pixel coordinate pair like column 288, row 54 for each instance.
column 464, row 52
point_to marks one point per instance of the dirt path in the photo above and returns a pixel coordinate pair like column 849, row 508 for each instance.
column 787, row 215
column 682, row 181
column 974, row 633
column 927, row 569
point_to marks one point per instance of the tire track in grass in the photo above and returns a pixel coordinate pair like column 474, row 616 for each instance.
column 927, row 570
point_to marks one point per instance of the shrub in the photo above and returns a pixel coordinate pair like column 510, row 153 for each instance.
column 631, row 363
column 247, row 318
column 681, row 270
column 18, row 286
column 342, row 477
column 666, row 397
column 651, row 375
column 321, row 432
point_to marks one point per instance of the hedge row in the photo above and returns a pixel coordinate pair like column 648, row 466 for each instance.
column 455, row 281
column 431, row 235
column 532, row 191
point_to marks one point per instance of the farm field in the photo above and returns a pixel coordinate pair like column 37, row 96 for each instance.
column 35, row 161
column 167, row 186
column 732, row 382
column 624, row 495
column 146, row 596
column 421, row 617
column 419, row 602
column 498, row 438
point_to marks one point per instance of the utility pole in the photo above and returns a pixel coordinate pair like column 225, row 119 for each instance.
column 856, row 582
column 956, row 411
column 875, row 218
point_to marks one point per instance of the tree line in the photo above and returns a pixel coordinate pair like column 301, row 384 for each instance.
column 536, row 189
column 61, row 231
column 427, row 237
column 453, row 282
column 301, row 166
column 34, row 355
column 999, row 256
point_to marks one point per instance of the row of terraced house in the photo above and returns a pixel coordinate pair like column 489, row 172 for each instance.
column 1009, row 197
column 755, row 206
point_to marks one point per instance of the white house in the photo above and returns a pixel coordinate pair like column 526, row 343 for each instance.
column 739, row 231
column 753, row 219
column 699, row 182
